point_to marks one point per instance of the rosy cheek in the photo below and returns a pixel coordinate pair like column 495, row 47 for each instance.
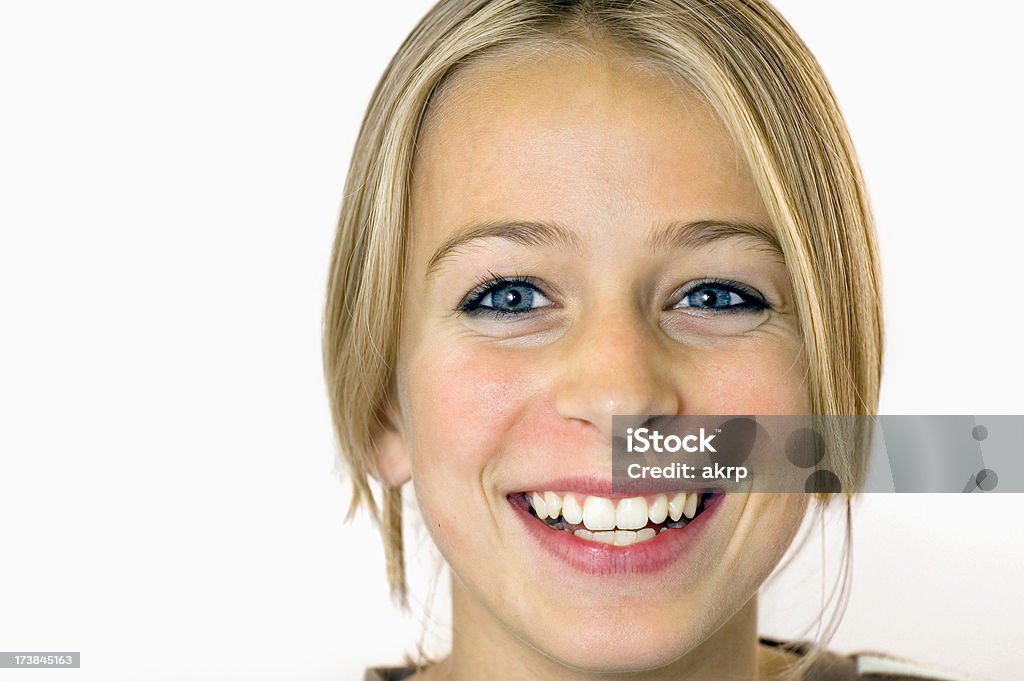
column 466, row 407
column 465, row 402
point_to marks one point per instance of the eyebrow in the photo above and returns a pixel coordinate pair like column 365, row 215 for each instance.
column 528, row 233
column 706, row 232
column 681, row 235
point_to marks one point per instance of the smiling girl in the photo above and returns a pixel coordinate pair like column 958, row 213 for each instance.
column 562, row 211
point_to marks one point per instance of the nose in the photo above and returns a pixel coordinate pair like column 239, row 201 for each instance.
column 614, row 363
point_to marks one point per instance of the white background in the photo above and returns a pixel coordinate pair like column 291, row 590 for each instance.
column 170, row 175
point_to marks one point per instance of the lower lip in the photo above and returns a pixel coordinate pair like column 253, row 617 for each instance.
column 653, row 555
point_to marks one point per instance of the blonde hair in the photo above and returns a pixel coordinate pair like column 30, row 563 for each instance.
column 760, row 79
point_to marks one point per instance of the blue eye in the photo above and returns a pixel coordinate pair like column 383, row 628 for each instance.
column 504, row 297
column 721, row 296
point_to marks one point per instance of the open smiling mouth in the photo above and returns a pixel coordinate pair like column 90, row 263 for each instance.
column 622, row 522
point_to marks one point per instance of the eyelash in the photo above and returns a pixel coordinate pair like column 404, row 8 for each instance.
column 471, row 303
column 752, row 300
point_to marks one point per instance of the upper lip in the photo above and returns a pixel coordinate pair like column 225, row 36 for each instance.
column 602, row 486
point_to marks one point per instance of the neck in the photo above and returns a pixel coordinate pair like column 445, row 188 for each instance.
column 481, row 645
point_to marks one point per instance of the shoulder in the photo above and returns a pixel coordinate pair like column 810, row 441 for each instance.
column 864, row 666
column 881, row 667
column 827, row 666
column 388, row 673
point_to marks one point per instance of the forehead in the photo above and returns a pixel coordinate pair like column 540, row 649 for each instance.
column 586, row 139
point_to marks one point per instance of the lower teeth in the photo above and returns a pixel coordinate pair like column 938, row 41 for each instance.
column 618, row 537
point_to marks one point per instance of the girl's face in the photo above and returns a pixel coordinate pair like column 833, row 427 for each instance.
column 585, row 240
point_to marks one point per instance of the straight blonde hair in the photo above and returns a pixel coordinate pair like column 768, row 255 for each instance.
column 767, row 88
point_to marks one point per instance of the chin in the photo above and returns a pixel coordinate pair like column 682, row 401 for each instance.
column 610, row 646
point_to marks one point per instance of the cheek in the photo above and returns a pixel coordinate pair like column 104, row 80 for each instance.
column 770, row 525
column 758, row 379
column 465, row 408
column 468, row 419
column 461, row 403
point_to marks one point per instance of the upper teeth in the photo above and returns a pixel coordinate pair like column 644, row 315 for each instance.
column 600, row 513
